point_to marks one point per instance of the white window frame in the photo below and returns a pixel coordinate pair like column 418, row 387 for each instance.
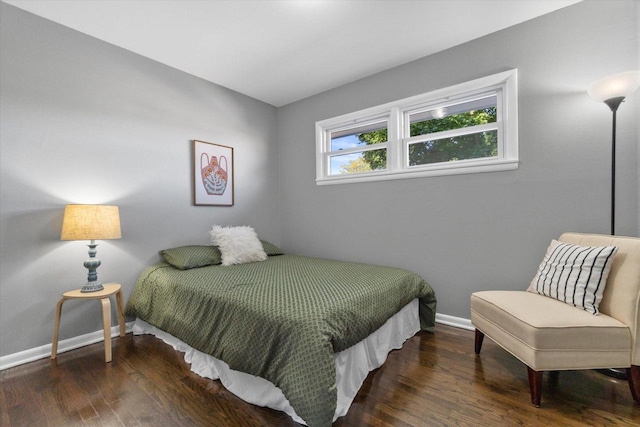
column 503, row 85
column 360, row 122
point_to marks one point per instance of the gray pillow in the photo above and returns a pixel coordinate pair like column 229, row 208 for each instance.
column 271, row 249
column 193, row 256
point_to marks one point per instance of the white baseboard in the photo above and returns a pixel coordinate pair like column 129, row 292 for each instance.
column 44, row 351
column 458, row 322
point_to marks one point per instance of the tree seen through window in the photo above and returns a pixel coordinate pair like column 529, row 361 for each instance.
column 470, row 146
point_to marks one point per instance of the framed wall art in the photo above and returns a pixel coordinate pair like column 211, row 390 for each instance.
column 213, row 174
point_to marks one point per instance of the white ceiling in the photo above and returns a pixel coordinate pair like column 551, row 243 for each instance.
column 280, row 51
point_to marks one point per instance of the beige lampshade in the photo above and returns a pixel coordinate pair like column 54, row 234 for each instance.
column 617, row 85
column 90, row 222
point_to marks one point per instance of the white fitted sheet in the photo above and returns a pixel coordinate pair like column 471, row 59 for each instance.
column 352, row 365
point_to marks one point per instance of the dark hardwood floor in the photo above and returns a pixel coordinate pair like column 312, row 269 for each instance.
column 434, row 380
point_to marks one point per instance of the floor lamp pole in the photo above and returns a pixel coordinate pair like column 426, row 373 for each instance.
column 613, row 103
column 613, row 176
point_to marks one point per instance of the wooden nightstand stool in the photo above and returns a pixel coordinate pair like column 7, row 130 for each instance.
column 103, row 296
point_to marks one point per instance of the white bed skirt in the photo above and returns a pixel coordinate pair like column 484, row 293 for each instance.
column 352, row 365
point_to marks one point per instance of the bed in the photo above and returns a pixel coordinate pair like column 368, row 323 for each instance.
column 290, row 321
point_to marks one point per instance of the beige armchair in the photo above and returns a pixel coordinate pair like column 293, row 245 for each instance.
column 550, row 335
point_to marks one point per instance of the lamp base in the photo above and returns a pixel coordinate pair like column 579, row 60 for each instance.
column 92, row 287
column 618, row 373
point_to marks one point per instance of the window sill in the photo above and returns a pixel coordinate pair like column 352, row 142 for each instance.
column 423, row 172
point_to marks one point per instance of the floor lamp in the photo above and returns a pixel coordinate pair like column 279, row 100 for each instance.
column 612, row 90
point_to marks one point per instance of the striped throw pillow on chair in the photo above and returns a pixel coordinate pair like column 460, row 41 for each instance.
column 574, row 274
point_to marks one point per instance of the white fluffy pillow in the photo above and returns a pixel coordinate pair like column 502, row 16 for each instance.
column 237, row 245
column 574, row 274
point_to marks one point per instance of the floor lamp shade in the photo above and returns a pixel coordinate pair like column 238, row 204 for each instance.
column 615, row 86
column 91, row 222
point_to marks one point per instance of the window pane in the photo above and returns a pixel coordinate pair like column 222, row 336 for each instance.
column 359, row 162
column 470, row 113
column 373, row 133
column 464, row 147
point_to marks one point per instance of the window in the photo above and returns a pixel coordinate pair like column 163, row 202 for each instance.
column 352, row 153
column 466, row 128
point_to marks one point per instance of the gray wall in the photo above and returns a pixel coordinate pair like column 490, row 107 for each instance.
column 483, row 231
column 83, row 121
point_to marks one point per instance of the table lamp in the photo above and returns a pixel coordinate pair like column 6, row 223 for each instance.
column 91, row 222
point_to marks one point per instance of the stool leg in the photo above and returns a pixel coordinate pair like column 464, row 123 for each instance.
column 56, row 329
column 106, row 325
column 121, row 321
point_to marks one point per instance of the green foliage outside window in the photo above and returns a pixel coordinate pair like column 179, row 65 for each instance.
column 472, row 146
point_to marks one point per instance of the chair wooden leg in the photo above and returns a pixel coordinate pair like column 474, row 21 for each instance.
column 633, row 374
column 535, row 385
column 479, row 339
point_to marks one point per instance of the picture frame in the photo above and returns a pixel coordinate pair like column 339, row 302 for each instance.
column 213, row 174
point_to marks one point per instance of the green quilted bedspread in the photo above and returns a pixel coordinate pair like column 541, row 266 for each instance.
column 280, row 319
